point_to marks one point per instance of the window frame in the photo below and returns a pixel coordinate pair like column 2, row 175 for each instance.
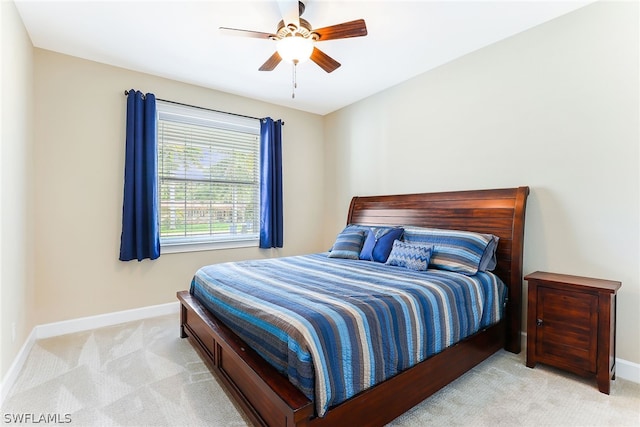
column 189, row 115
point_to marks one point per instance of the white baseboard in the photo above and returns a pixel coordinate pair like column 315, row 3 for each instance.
column 628, row 370
column 78, row 325
column 102, row 320
column 15, row 368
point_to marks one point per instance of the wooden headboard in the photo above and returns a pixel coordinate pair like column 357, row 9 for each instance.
column 499, row 212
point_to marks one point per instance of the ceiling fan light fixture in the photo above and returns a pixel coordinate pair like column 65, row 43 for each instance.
column 295, row 49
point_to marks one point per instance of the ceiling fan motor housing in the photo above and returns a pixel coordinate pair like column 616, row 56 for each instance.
column 291, row 30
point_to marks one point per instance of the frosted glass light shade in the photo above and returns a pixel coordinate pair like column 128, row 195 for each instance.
column 295, row 48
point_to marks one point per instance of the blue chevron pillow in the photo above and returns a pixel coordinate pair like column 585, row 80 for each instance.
column 413, row 256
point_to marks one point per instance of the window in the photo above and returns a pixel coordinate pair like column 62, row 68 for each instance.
column 208, row 179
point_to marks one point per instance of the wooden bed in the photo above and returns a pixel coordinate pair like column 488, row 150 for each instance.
column 268, row 398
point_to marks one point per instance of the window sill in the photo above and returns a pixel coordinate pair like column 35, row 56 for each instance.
column 168, row 248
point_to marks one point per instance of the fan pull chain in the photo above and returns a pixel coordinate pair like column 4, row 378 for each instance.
column 294, row 79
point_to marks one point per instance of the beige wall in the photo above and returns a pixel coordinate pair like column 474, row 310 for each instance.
column 554, row 108
column 79, row 158
column 16, row 194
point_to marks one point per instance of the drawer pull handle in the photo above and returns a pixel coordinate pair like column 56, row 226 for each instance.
column 539, row 322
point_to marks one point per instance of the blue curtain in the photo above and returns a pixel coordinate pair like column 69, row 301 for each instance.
column 270, row 183
column 140, row 237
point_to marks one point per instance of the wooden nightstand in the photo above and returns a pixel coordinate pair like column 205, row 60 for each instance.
column 571, row 324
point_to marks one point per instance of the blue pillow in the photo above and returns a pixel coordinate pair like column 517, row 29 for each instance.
column 348, row 245
column 454, row 250
column 413, row 256
column 379, row 242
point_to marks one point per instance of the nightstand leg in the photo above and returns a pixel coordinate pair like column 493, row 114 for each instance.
column 604, row 383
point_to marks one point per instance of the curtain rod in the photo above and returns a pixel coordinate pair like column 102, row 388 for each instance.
column 126, row 92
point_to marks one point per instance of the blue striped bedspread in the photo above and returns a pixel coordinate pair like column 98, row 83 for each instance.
column 336, row 327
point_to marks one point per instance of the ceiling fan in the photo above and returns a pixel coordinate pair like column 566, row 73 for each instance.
column 295, row 37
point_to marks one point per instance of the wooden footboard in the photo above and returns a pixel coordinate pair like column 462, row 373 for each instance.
column 266, row 396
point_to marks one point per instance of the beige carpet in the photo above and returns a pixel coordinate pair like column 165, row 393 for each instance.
column 142, row 374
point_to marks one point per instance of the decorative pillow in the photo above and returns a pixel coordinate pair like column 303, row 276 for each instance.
column 355, row 227
column 378, row 243
column 413, row 256
column 454, row 250
column 348, row 245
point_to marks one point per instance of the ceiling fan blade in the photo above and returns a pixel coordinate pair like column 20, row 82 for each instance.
column 325, row 62
column 245, row 33
column 271, row 63
column 345, row 30
column 290, row 11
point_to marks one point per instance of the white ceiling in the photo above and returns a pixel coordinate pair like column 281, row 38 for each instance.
column 180, row 40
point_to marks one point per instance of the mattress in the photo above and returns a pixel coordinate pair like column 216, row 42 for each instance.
column 337, row 327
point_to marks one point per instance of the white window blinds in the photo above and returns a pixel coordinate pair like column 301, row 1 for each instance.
column 208, row 166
